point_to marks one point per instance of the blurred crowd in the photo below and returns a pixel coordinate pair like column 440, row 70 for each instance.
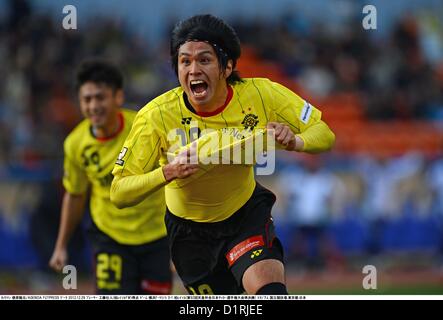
column 37, row 99
column 399, row 76
column 357, row 200
column 330, row 207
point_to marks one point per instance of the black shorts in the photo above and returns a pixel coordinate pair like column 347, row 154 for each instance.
column 211, row 258
column 130, row 269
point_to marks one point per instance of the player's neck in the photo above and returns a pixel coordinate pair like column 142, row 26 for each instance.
column 110, row 129
column 217, row 104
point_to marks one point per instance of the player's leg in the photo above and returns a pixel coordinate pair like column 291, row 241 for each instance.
column 257, row 264
column 197, row 267
column 199, row 260
column 115, row 267
column 265, row 277
column 255, row 255
column 115, row 271
column 219, row 281
column 155, row 267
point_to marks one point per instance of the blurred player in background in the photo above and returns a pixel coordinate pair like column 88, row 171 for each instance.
column 219, row 221
column 130, row 245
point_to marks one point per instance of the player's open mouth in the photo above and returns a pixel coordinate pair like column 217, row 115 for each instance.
column 96, row 116
column 198, row 88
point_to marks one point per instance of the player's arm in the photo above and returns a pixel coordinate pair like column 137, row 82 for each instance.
column 76, row 185
column 73, row 208
column 299, row 126
column 130, row 190
column 136, row 172
column 316, row 138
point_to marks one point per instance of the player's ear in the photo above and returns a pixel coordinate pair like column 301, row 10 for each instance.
column 119, row 97
column 229, row 68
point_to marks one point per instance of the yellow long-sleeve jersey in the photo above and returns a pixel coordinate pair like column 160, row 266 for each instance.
column 215, row 192
column 88, row 162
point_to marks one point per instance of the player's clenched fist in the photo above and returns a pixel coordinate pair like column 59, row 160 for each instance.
column 184, row 164
column 284, row 136
column 58, row 259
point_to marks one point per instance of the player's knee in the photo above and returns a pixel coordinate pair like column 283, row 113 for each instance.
column 263, row 273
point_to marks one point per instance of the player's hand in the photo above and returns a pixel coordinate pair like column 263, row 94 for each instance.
column 283, row 135
column 59, row 259
column 184, row 164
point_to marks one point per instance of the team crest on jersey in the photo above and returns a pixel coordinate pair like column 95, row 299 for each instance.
column 186, row 120
column 250, row 121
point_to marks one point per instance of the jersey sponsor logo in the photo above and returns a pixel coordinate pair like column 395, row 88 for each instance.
column 226, row 145
column 306, row 112
column 250, row 121
column 243, row 247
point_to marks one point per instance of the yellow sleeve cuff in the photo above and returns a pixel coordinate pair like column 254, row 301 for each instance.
column 158, row 178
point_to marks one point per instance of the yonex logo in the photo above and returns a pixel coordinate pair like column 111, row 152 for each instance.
column 256, row 253
column 186, row 120
column 244, row 247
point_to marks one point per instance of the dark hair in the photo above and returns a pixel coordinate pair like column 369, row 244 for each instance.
column 99, row 71
column 213, row 30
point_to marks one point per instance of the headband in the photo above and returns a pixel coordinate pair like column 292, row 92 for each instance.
column 214, row 45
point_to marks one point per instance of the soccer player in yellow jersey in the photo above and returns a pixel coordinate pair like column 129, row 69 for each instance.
column 219, row 223
column 130, row 245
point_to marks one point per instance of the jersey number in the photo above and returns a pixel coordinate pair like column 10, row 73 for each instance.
column 202, row 289
column 107, row 264
column 91, row 158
